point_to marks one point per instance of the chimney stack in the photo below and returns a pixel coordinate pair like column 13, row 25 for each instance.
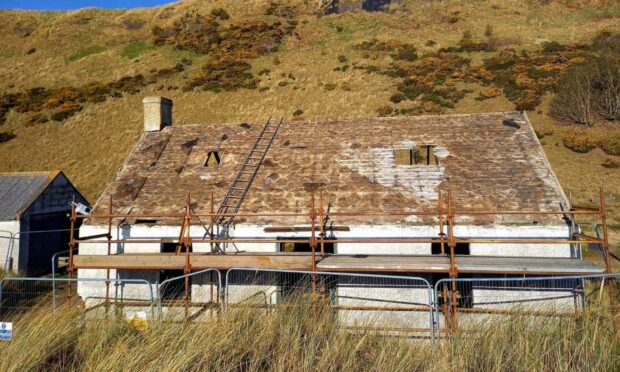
column 157, row 113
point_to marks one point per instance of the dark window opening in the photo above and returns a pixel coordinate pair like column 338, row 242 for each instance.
column 303, row 245
column 464, row 291
column 145, row 220
column 461, row 249
column 213, row 159
column 175, row 289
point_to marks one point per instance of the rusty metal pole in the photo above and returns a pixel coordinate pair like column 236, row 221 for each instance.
column 107, row 283
column 440, row 214
column 444, row 290
column 313, row 232
column 313, row 246
column 608, row 267
column 453, row 270
column 212, row 224
column 322, row 221
column 187, row 243
column 71, row 267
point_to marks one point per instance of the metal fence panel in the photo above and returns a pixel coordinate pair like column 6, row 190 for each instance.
column 361, row 301
column 202, row 299
column 468, row 302
column 20, row 295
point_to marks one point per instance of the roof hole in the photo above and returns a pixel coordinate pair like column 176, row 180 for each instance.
column 421, row 155
column 213, row 159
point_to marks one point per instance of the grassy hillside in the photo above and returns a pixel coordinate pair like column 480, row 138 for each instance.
column 233, row 61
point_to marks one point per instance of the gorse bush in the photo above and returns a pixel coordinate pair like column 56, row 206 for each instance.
column 62, row 103
column 229, row 47
column 581, row 142
column 611, row 145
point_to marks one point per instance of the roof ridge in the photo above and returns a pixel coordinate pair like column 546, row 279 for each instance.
column 50, row 173
column 356, row 118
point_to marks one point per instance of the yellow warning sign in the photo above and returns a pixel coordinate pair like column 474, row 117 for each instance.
column 137, row 319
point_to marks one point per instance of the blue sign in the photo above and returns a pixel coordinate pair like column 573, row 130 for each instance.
column 6, row 331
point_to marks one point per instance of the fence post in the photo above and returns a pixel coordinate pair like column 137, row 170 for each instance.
column 608, row 268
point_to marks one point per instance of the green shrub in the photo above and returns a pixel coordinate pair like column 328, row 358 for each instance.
column 413, row 89
column 539, row 134
column 35, row 117
column 488, row 30
column 553, row 47
column 398, row 97
column 134, row 49
column 610, row 163
column 606, row 40
column 385, row 111
column 82, row 53
column 65, row 111
column 220, row 13
column 580, row 142
column 6, row 136
column 298, row 112
column 611, row 145
column 329, row 86
column 224, row 74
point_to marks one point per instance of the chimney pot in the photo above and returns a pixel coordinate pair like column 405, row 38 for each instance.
column 157, row 113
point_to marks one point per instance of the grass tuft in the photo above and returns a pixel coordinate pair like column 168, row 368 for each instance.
column 83, row 53
column 134, row 49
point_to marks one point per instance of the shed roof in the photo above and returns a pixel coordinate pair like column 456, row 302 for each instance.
column 488, row 161
column 19, row 190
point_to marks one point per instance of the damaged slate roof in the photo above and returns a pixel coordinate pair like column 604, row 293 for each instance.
column 488, row 161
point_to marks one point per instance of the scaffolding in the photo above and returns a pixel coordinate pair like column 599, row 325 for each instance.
column 317, row 216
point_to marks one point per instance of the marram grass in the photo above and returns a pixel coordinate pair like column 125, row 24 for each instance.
column 301, row 338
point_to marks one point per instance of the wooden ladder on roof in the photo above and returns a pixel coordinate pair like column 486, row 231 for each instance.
column 242, row 183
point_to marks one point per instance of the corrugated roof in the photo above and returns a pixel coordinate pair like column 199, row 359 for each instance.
column 488, row 161
column 19, row 190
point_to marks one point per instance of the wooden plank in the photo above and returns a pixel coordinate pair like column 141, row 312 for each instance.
column 344, row 263
column 197, row 261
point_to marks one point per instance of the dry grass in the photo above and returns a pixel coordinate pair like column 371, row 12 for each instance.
column 299, row 338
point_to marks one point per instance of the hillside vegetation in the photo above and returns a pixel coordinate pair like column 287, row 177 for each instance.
column 71, row 83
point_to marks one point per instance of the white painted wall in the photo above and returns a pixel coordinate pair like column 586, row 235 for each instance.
column 201, row 293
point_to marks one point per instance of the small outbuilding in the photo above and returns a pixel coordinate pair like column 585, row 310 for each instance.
column 34, row 209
